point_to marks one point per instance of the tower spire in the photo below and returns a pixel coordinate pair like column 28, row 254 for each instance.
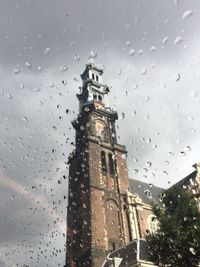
column 93, row 89
column 98, row 178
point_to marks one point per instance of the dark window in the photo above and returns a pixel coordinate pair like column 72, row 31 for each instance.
column 111, row 164
column 97, row 78
column 113, row 246
column 93, row 76
column 94, row 97
column 103, row 161
column 100, row 97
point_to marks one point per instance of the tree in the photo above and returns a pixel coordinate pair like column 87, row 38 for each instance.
column 177, row 241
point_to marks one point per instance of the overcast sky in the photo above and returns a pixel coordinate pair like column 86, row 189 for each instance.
column 150, row 52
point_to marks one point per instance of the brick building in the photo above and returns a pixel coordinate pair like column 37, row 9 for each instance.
column 98, row 178
column 108, row 213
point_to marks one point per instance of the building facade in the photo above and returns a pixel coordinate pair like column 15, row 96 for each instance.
column 108, row 214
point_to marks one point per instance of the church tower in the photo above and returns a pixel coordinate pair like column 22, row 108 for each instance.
column 97, row 218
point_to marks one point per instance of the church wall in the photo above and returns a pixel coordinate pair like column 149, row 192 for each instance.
column 143, row 213
column 122, row 171
column 98, row 223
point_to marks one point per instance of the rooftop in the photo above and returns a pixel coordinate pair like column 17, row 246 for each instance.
column 135, row 251
column 147, row 192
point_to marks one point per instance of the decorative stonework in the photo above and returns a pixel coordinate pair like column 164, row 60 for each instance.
column 133, row 198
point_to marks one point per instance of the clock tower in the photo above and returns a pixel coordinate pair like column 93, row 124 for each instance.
column 97, row 218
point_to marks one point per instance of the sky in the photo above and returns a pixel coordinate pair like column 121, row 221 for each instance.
column 151, row 58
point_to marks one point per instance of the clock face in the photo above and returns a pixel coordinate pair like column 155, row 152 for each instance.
column 100, row 129
column 98, row 105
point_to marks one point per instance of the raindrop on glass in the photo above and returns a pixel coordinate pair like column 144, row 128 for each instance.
column 165, row 39
column 187, row 14
column 132, row 52
column 77, row 58
column 178, row 40
column 47, row 51
column 28, row 65
column 16, row 70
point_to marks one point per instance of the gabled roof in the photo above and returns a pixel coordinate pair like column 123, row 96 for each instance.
column 147, row 192
column 150, row 193
column 185, row 182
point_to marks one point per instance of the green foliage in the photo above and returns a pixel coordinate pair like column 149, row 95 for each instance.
column 177, row 241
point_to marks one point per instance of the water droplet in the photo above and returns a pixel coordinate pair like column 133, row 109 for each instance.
column 182, row 153
column 165, row 39
column 192, row 250
column 80, row 28
column 51, row 84
column 47, row 51
column 16, row 70
column 131, row 52
column 178, row 40
column 38, row 89
column 153, row 48
column 25, row 118
column 74, row 231
column 194, row 94
column 123, row 156
column 93, row 54
column 148, row 140
column 77, row 58
column 39, row 68
column 10, row 96
column 187, row 149
column 176, row 2
column 119, row 72
column 187, row 14
column 87, row 109
column 21, row 86
column 64, row 82
column 63, row 68
column 28, row 65
column 177, row 77
column 190, row 118
column 144, row 71
column 148, row 164
column 140, row 52
column 127, row 27
column 76, row 79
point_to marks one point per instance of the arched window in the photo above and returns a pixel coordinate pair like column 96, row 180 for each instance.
column 97, row 78
column 100, row 98
column 111, row 163
column 93, row 76
column 103, row 161
column 152, row 224
column 113, row 224
column 113, row 246
column 95, row 97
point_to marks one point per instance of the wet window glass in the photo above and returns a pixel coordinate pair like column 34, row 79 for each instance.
column 88, row 88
